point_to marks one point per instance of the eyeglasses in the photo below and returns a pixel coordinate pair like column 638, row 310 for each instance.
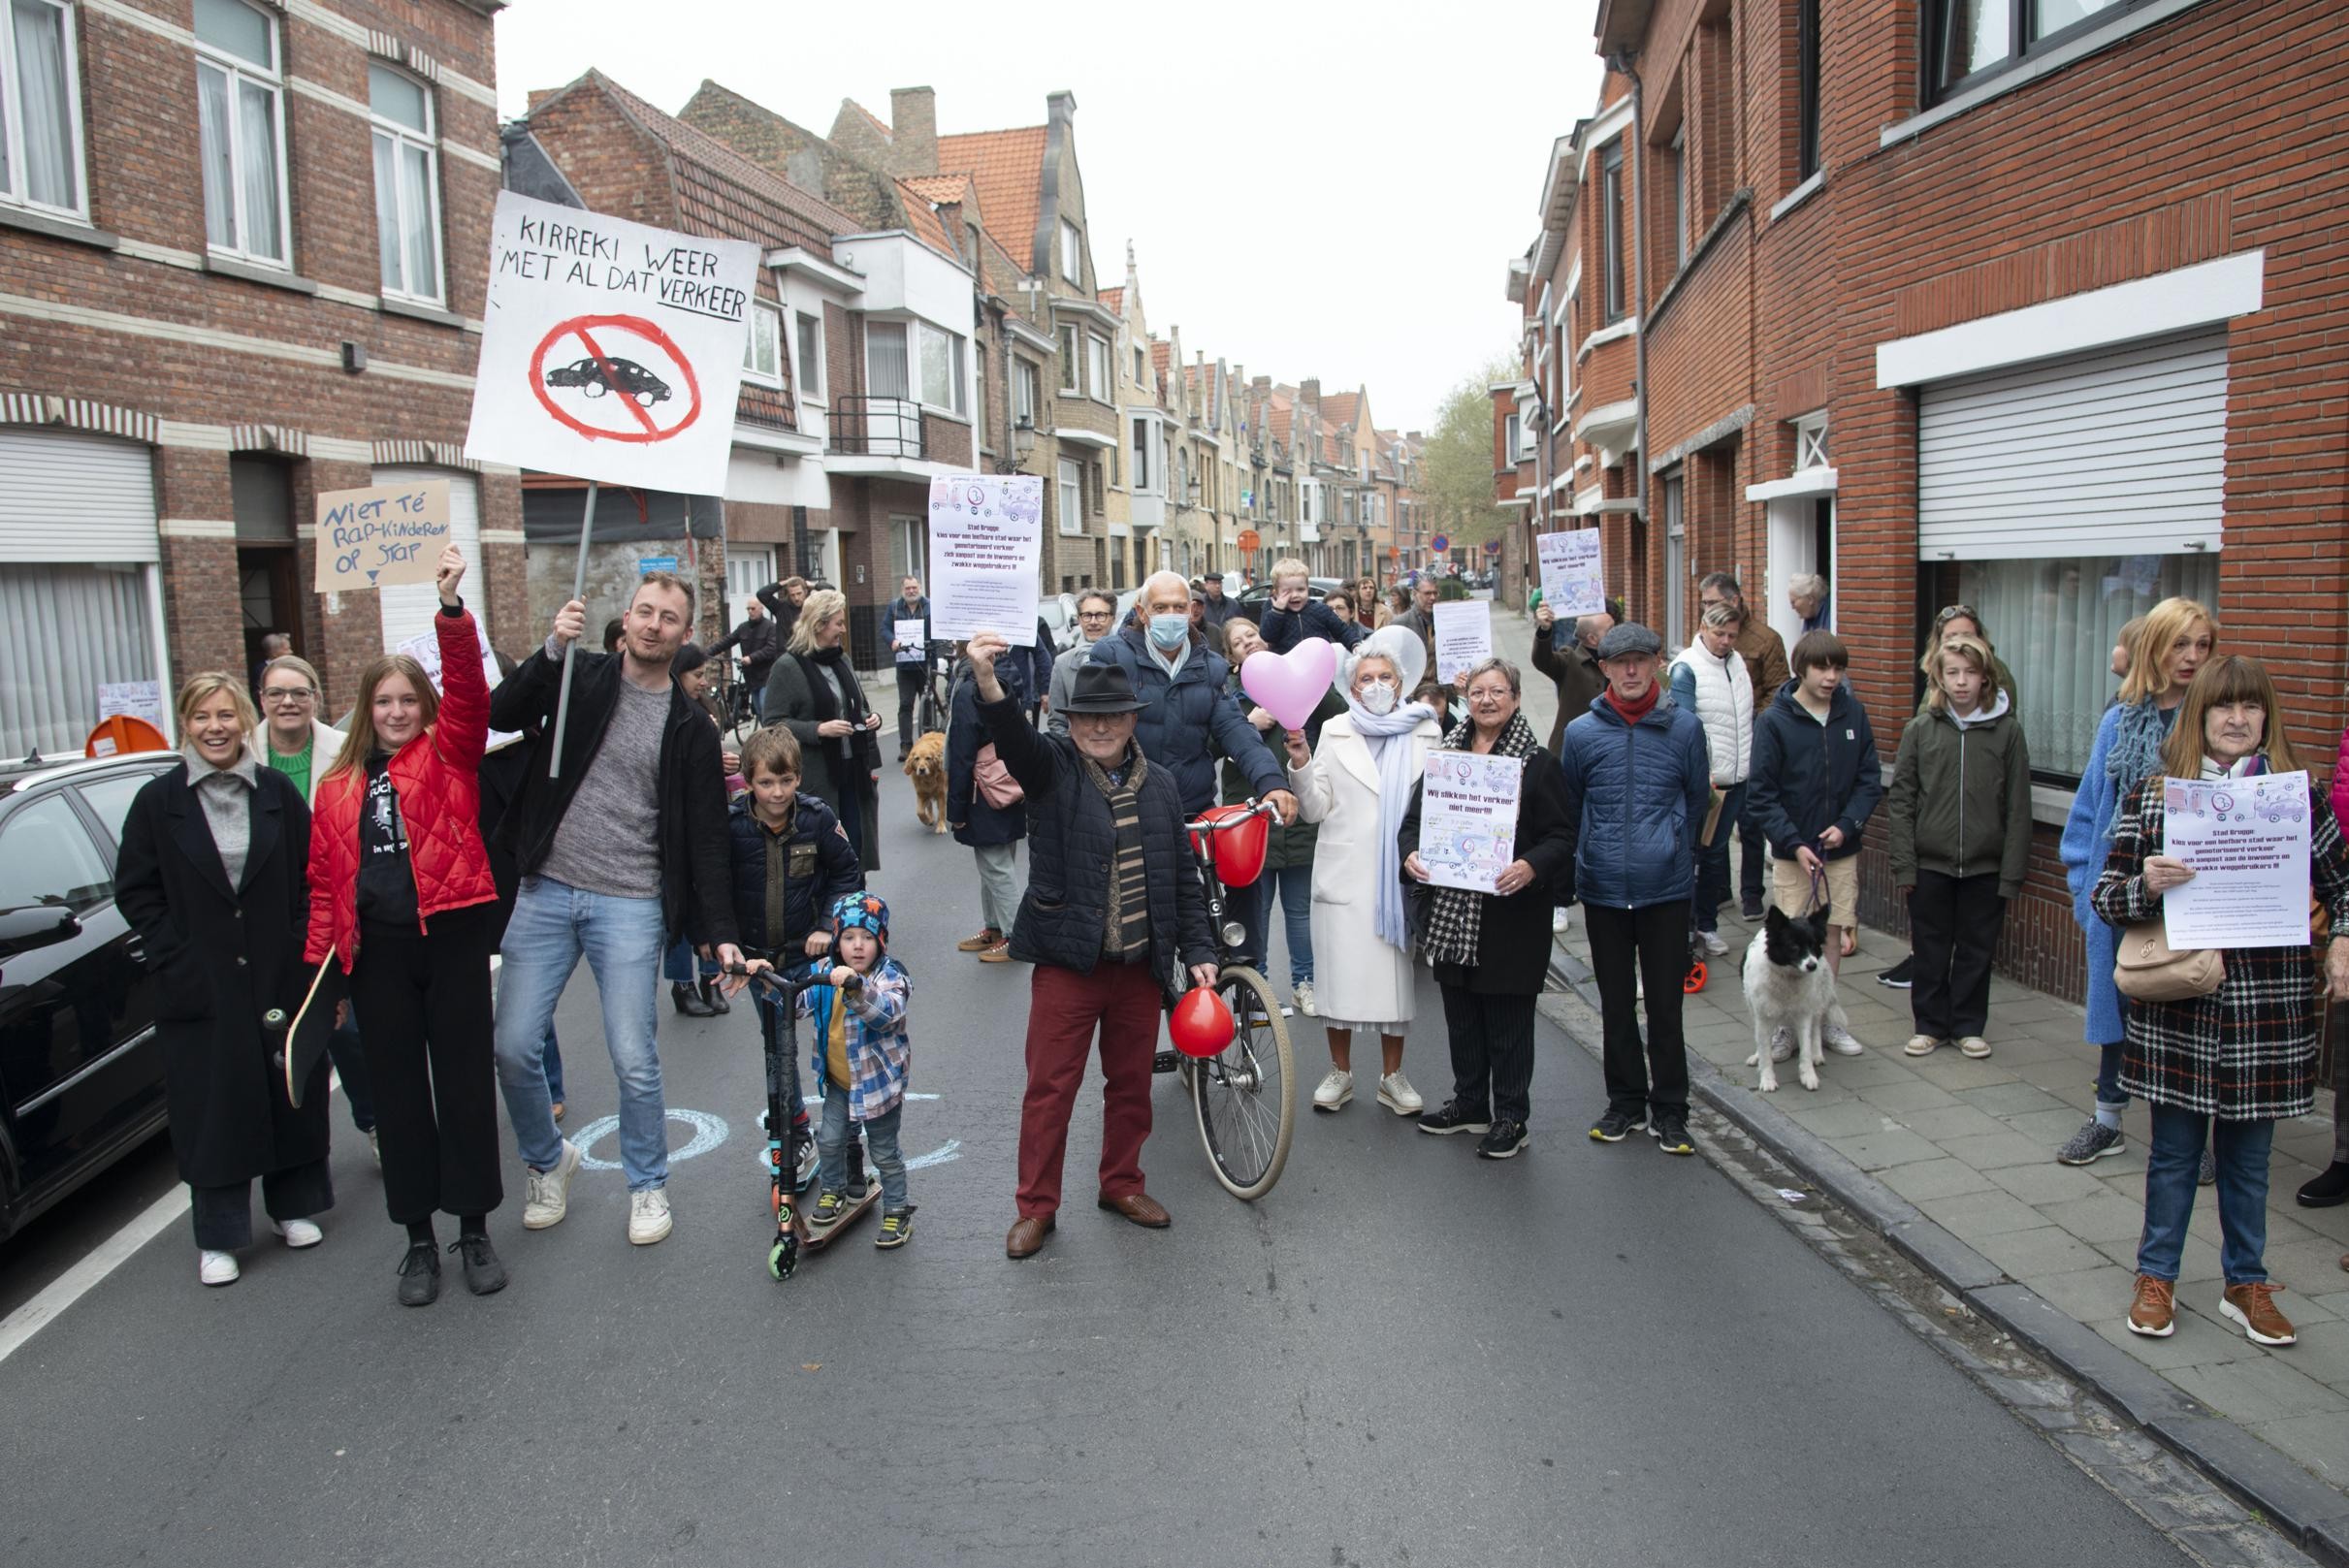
column 1094, row 615
column 287, row 693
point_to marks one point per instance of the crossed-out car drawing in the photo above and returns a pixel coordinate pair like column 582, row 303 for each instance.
column 598, row 376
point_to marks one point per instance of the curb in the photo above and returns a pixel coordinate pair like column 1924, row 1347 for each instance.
column 2302, row 1509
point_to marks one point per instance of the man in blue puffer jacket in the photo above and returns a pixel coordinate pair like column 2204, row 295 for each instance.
column 1188, row 715
column 1638, row 783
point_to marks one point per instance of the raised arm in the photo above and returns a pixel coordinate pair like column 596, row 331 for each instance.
column 1027, row 755
column 462, row 731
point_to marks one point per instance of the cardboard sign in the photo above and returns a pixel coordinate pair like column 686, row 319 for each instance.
column 611, row 351
column 1463, row 637
column 1573, row 581
column 986, row 532
column 380, row 535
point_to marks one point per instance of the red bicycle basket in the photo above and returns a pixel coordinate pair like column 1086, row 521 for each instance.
column 1240, row 849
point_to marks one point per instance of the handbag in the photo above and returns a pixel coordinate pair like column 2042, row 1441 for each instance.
column 994, row 781
column 2145, row 968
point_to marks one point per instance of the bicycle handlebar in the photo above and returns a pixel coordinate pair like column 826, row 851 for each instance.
column 776, row 979
column 1256, row 808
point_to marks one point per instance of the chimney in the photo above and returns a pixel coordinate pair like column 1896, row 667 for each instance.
column 912, row 131
column 1309, row 391
column 1060, row 107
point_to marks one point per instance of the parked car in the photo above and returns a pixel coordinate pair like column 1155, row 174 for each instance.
column 80, row 1073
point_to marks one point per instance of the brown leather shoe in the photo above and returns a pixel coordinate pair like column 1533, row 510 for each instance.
column 2254, row 1307
column 1026, row 1240
column 981, row 943
column 1140, row 1207
column 1000, row 953
column 2154, row 1312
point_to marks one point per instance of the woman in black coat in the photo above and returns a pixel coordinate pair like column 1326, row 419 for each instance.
column 1492, row 950
column 210, row 877
column 813, row 692
column 992, row 832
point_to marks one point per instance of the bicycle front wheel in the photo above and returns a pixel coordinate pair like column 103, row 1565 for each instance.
column 1246, row 1111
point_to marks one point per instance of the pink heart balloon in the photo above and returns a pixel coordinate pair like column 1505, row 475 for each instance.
column 1289, row 685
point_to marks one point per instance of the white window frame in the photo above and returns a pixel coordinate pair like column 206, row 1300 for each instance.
column 958, row 369
column 1810, row 443
column 1027, row 390
column 767, row 319
column 1099, row 382
column 236, row 68
column 1072, row 252
column 403, row 136
column 1069, row 480
column 1144, row 468
column 12, row 106
column 1141, row 367
column 1071, row 372
column 1680, row 198
column 809, row 381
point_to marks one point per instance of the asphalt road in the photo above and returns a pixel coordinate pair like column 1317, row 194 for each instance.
column 1403, row 1355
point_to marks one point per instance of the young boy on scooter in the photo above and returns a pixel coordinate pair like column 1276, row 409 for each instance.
column 862, row 1057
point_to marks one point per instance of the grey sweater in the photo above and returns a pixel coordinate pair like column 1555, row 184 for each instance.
column 227, row 794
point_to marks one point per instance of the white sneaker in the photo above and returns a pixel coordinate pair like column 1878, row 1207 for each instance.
column 1974, row 1046
column 299, row 1232
column 548, row 1192
column 1395, row 1092
column 1713, row 943
column 1303, row 998
column 1335, row 1090
column 1922, row 1045
column 1559, row 920
column 216, row 1267
column 648, row 1217
column 1840, row 1040
column 1782, row 1044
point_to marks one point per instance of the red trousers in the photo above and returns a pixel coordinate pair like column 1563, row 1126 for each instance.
column 1121, row 1001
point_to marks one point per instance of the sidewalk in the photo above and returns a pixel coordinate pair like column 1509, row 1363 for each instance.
column 1967, row 1147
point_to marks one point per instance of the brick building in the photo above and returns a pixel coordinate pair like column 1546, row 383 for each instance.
column 240, row 249
column 2038, row 309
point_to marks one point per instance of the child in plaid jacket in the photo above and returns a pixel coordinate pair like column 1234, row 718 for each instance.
column 861, row 1060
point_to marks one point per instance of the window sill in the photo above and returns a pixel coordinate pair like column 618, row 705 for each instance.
column 417, row 311
column 1799, row 195
column 2024, row 71
column 271, row 277
column 1622, row 326
column 56, row 227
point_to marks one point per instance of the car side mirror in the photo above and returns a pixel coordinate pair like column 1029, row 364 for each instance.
column 35, row 926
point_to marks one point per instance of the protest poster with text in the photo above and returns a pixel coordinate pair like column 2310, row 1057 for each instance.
column 382, row 536
column 1573, row 583
column 1463, row 637
column 987, row 535
column 1467, row 819
column 610, row 350
column 2248, row 841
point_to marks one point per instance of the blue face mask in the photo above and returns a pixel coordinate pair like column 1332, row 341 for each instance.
column 1167, row 631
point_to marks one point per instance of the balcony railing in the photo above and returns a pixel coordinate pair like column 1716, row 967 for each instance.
column 877, row 426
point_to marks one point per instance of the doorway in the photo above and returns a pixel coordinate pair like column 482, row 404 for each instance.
column 1802, row 539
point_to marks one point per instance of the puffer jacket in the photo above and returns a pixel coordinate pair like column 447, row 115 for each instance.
column 1809, row 777
column 1720, row 693
column 1637, row 797
column 816, row 863
column 1189, row 717
column 975, row 822
column 1960, row 803
column 438, row 778
column 1283, row 629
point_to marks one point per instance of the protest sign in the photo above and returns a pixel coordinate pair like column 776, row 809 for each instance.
column 986, row 531
column 911, row 640
column 1464, row 635
column 1572, row 580
column 2248, row 841
column 133, row 699
column 610, row 350
column 425, row 649
column 381, row 535
column 1467, row 819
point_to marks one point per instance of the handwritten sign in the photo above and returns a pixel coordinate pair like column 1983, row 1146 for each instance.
column 425, row 649
column 1463, row 637
column 1573, row 581
column 2248, row 841
column 1467, row 819
column 986, row 532
column 381, row 535
column 611, row 351
column 134, row 699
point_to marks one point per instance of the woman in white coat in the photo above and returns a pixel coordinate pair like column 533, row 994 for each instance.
column 1357, row 787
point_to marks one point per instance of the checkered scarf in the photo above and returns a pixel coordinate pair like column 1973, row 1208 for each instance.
column 1456, row 915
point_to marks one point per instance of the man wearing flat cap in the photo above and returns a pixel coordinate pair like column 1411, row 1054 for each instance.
column 1113, row 921
column 1638, row 785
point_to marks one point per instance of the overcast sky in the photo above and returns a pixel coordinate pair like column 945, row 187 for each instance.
column 1310, row 190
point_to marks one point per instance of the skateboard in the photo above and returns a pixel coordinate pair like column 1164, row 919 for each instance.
column 305, row 1032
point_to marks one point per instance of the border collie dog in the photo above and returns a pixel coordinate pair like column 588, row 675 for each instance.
column 1789, row 988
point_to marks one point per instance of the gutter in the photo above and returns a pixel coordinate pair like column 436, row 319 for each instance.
column 1621, row 62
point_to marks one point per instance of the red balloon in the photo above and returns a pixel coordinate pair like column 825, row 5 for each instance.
column 1201, row 1025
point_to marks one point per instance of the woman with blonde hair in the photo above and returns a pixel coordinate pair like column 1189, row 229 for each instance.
column 2219, row 1071
column 812, row 692
column 210, row 878
column 2174, row 642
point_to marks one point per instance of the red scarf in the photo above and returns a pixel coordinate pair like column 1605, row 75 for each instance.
column 1634, row 712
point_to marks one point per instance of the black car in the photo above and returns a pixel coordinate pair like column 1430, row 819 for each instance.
column 596, row 378
column 80, row 1073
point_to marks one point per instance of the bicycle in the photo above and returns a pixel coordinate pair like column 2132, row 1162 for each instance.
column 1240, row 1096
column 736, row 698
column 930, row 713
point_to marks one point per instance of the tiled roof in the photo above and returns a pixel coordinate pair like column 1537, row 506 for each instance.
column 999, row 273
column 1008, row 168
column 1114, row 299
column 1280, row 412
column 1339, row 407
column 921, row 217
column 713, row 180
column 939, row 187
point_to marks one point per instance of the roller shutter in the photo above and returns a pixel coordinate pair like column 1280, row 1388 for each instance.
column 407, row 607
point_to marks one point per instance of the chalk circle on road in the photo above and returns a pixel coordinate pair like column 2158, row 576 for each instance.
column 615, row 378
column 950, row 1150
column 708, row 1132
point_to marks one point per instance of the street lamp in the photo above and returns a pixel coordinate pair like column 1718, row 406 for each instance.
column 1023, row 446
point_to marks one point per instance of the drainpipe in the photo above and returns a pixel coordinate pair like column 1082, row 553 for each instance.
column 1621, row 63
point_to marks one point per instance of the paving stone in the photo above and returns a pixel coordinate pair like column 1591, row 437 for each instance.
column 2101, row 1216
column 1958, row 1073
column 2322, row 1352
column 2038, row 1252
column 2046, row 1182
column 1852, row 1119
column 2261, row 1389
column 2004, row 1099
column 2320, row 1441
column 1972, row 1216
column 1899, row 1097
column 2049, row 1129
column 1954, row 1121
column 2089, row 1295
column 1995, row 1151
column 1880, row 1151
column 1936, row 1178
column 2196, row 1343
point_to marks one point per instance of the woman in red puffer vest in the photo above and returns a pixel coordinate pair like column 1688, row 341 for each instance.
column 403, row 898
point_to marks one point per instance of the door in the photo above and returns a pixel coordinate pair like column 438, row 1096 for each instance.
column 748, row 567
column 1802, row 541
column 1676, row 566
column 407, row 607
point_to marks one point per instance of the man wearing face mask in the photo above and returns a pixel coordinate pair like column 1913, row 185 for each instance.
column 1188, row 717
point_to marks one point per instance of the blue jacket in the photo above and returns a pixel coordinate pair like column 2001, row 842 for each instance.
column 818, row 867
column 1284, row 630
column 2087, row 839
column 1637, row 797
column 1187, row 719
column 1809, row 777
column 975, row 822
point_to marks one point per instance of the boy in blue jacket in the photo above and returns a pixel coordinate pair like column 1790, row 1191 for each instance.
column 1816, row 782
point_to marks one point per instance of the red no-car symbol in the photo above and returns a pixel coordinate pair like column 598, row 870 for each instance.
column 615, row 378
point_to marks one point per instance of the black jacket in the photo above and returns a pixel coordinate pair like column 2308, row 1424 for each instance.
column 759, row 644
column 975, row 822
column 221, row 958
column 693, row 845
column 781, row 610
column 1070, row 845
column 819, row 867
column 1513, row 932
column 843, row 784
column 1809, row 777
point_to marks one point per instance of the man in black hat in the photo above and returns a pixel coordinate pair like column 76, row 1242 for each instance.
column 1109, row 951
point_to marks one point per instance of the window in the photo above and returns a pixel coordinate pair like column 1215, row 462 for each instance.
column 1071, row 497
column 1611, row 226
column 40, row 108
column 944, row 370
column 1141, row 454
column 916, row 361
column 1680, row 196
column 1096, row 476
column 407, row 195
column 811, row 356
column 1806, row 87
column 1072, row 252
column 48, row 695
column 1965, row 37
column 1026, row 390
column 110, row 799
column 1068, row 360
column 905, row 548
column 887, row 372
column 1097, row 369
column 241, row 116
column 980, row 419
column 46, row 855
column 1676, row 563
column 1811, row 442
column 762, row 352
column 1510, row 441
column 1142, row 368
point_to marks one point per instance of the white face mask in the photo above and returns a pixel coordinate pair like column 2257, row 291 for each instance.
column 1378, row 696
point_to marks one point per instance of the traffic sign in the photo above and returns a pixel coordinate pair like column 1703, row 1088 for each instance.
column 1492, row 547
column 1250, row 539
column 1440, row 544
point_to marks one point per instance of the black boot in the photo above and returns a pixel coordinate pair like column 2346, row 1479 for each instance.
column 715, row 999
column 688, row 1001
column 2329, row 1187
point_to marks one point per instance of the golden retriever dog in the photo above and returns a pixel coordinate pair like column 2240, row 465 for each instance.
column 926, row 765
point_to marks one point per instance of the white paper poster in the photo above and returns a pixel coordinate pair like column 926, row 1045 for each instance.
column 986, row 533
column 1573, row 581
column 2248, row 841
column 1467, row 819
column 1464, row 635
column 425, row 649
column 911, row 640
column 610, row 350
column 133, row 699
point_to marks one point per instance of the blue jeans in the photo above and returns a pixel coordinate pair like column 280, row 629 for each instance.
column 2172, row 1163
column 553, row 1066
column 2109, row 1090
column 553, row 926
column 1712, row 862
column 837, row 1137
column 1295, row 885
column 680, row 967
